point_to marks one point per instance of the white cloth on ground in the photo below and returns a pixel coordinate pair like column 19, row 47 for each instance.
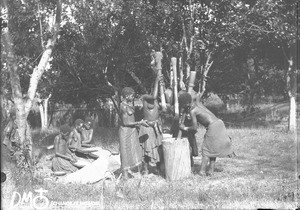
column 100, row 152
column 101, row 168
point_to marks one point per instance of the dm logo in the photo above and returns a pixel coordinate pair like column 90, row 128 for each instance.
column 38, row 202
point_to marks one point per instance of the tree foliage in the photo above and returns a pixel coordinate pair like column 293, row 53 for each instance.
column 104, row 46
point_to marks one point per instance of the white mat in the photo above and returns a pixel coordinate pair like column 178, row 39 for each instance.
column 97, row 170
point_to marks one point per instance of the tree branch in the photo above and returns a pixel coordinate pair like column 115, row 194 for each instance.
column 258, row 28
column 39, row 70
column 136, row 79
column 108, row 82
column 284, row 53
column 184, row 36
column 206, row 69
column 41, row 27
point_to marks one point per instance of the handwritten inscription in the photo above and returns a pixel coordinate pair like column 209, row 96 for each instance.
column 4, row 19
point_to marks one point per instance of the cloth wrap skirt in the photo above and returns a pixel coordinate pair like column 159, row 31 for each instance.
column 130, row 149
column 151, row 141
column 216, row 142
column 61, row 164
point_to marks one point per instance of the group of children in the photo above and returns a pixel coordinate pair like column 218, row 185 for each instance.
column 69, row 145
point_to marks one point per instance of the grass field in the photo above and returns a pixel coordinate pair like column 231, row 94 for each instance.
column 263, row 175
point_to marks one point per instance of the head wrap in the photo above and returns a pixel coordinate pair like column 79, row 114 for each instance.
column 78, row 122
column 184, row 99
column 65, row 129
column 127, row 91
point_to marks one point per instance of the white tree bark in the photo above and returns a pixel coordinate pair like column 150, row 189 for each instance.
column 23, row 104
column 291, row 87
column 204, row 71
column 39, row 70
column 292, row 115
column 46, row 102
column 181, row 82
column 176, row 103
column 43, row 106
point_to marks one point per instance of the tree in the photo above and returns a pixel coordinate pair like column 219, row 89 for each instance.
column 198, row 32
column 106, row 45
column 279, row 22
column 23, row 100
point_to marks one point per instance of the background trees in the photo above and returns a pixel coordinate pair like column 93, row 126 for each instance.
column 275, row 24
column 236, row 47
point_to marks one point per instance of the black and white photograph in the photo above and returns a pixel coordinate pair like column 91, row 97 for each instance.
column 150, row 104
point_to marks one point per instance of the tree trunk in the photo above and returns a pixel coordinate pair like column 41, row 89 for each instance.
column 189, row 50
column 292, row 117
column 117, row 112
column 192, row 82
column 43, row 106
column 176, row 104
column 42, row 116
column 21, row 115
column 181, row 77
column 292, row 90
column 204, row 72
column 96, row 119
column 252, row 79
column 158, row 59
column 46, row 102
column 23, row 104
column 110, row 115
column 136, row 79
column 189, row 34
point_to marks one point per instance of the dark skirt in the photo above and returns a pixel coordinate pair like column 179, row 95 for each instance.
column 151, row 142
column 130, row 149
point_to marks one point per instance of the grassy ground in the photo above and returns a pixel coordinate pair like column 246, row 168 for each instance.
column 263, row 175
